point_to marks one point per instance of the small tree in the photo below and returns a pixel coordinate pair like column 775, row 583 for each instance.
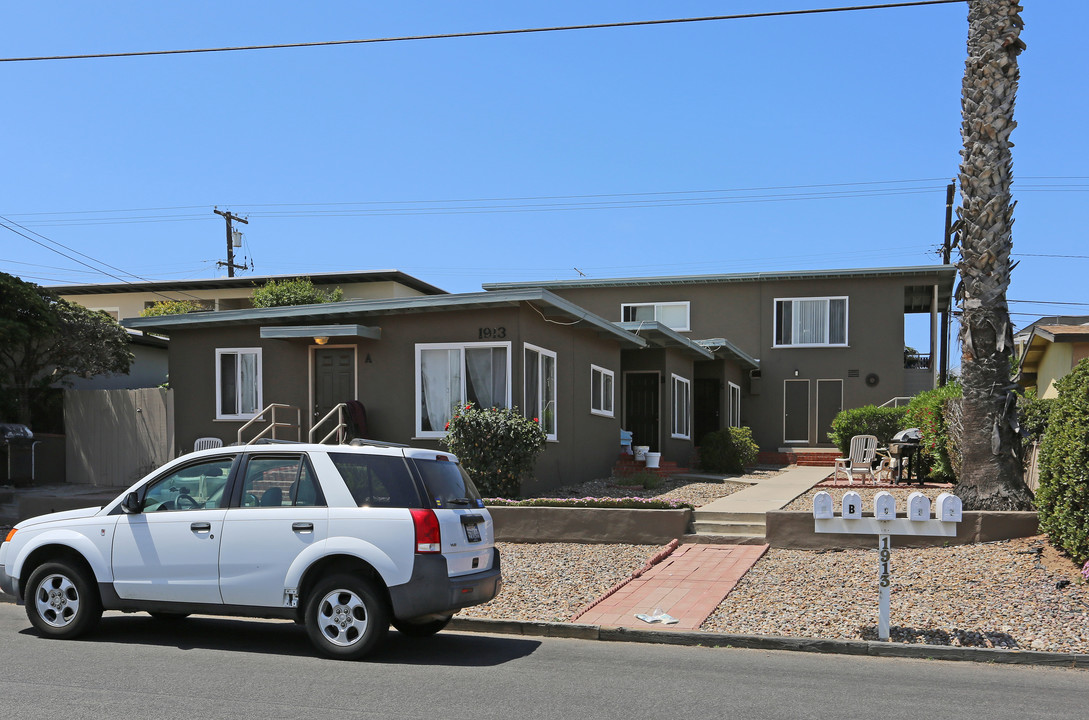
column 497, row 446
column 45, row 340
column 293, row 291
column 927, row 411
column 1063, row 494
column 172, row 307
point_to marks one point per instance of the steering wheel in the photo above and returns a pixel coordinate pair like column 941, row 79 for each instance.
column 186, row 502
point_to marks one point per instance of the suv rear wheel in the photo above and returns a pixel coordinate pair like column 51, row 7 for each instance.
column 61, row 601
column 345, row 616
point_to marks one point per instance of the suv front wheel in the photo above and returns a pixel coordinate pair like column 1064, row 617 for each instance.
column 345, row 616
column 61, row 601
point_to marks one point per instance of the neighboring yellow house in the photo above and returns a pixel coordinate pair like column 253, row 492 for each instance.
column 1050, row 352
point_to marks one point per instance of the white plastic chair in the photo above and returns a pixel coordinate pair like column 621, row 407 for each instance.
column 207, row 443
column 859, row 460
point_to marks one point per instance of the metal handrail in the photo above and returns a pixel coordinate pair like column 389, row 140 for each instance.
column 896, row 402
column 338, row 430
column 273, row 424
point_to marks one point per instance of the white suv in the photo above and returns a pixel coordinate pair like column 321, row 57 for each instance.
column 342, row 538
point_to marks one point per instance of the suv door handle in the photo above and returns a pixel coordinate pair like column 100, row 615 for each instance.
column 200, row 527
column 302, row 527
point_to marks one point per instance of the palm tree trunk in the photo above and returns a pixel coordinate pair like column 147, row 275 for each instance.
column 991, row 476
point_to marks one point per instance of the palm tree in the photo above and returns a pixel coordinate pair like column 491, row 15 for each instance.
column 990, row 444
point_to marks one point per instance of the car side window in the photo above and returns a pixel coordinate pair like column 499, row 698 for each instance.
column 280, row 481
column 377, row 480
column 194, row 487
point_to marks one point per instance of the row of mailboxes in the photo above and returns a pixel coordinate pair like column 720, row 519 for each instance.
column 947, row 507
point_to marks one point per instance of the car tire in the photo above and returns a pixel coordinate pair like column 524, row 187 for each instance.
column 345, row 617
column 426, row 628
column 168, row 616
column 62, row 601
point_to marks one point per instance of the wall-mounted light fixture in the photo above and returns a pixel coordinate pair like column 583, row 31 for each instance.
column 323, row 340
column 795, row 372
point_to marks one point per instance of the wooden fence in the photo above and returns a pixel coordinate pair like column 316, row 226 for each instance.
column 115, row 437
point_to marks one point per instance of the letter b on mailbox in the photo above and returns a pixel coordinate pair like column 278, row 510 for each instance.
column 852, row 505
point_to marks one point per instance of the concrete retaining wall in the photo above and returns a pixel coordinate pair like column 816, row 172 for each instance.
column 589, row 525
column 793, row 529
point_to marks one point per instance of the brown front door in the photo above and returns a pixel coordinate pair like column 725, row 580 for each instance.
column 706, row 407
column 334, row 383
column 829, row 404
column 796, row 411
column 641, row 408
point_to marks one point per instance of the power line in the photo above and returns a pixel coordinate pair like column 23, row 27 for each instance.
column 484, row 33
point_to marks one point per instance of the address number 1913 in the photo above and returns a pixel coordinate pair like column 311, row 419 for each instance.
column 496, row 333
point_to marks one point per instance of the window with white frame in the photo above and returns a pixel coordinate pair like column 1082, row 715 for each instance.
column 673, row 315
column 735, row 405
column 682, row 406
column 540, row 388
column 808, row 322
column 238, row 383
column 601, row 391
column 449, row 375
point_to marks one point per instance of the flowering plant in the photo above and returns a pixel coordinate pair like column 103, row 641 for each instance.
column 497, row 446
column 631, row 503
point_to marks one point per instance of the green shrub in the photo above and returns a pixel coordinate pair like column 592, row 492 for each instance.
column 883, row 422
column 294, row 291
column 1034, row 411
column 728, row 450
column 498, row 447
column 172, row 307
column 1063, row 494
column 927, row 411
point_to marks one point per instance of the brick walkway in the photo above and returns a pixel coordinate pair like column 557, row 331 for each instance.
column 689, row 585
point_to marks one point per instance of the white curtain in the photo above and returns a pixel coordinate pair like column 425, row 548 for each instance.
column 810, row 322
column 488, row 375
column 247, row 383
column 837, row 321
column 440, row 386
column 548, row 371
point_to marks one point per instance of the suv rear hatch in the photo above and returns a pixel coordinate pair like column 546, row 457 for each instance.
column 464, row 524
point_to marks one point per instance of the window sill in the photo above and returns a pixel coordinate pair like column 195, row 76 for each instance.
column 602, row 413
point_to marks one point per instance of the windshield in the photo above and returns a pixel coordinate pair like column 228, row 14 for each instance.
column 448, row 484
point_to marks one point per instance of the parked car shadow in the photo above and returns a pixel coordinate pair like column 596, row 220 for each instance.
column 278, row 637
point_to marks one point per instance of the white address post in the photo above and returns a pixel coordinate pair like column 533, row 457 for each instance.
column 884, row 523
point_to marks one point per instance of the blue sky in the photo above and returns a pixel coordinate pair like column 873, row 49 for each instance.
column 820, row 141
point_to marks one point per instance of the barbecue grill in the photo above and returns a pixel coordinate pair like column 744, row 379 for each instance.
column 904, row 449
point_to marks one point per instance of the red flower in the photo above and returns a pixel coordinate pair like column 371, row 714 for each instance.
column 536, row 420
column 447, row 426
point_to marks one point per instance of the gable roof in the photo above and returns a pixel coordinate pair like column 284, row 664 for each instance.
column 547, row 304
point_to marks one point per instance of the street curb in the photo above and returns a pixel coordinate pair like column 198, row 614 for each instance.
column 576, row 631
column 769, row 642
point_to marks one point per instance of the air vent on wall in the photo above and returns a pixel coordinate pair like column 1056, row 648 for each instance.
column 852, row 373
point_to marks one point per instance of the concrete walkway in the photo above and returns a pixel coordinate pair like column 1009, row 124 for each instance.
column 691, row 582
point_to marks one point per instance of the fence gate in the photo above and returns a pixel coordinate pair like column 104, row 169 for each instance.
column 115, row 437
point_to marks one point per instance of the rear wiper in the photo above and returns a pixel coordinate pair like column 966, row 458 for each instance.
column 459, row 501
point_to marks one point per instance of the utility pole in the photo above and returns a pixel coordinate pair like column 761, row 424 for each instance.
column 231, row 267
column 947, row 245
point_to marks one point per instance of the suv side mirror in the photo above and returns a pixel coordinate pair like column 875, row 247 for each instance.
column 131, row 504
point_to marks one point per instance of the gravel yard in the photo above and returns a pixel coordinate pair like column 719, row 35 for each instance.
column 1016, row 594
column 695, row 492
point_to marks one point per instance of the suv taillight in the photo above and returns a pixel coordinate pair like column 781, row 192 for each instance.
column 426, row 524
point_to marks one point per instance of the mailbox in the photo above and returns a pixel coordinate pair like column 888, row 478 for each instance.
column 918, row 506
column 852, row 506
column 822, row 506
column 884, row 506
column 948, row 508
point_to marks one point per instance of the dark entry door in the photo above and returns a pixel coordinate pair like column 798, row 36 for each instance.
column 829, row 403
column 334, row 381
column 796, row 411
column 641, row 409
column 707, row 405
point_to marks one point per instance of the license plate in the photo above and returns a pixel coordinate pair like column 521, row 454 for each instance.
column 473, row 533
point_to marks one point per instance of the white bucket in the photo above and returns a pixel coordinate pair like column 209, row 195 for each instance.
column 653, row 459
column 641, row 452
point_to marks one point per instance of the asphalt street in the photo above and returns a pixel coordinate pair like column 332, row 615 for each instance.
column 137, row 667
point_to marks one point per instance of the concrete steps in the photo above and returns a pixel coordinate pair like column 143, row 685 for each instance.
column 749, row 525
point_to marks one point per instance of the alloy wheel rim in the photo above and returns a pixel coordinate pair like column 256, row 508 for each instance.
column 57, row 601
column 342, row 618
